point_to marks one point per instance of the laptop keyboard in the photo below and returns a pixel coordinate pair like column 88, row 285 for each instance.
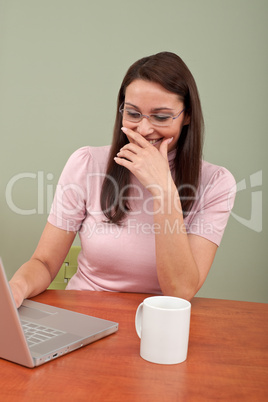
column 38, row 333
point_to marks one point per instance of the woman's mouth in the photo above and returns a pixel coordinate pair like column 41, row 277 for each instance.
column 153, row 142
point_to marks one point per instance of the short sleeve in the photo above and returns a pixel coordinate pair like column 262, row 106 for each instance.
column 69, row 205
column 211, row 210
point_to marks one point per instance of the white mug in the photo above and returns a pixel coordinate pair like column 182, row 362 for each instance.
column 163, row 323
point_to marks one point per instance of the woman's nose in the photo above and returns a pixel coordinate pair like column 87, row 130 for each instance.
column 145, row 127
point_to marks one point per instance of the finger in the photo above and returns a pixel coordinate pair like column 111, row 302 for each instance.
column 124, row 162
column 134, row 148
column 163, row 149
column 138, row 138
column 125, row 153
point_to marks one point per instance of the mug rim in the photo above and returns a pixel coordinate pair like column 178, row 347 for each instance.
column 186, row 305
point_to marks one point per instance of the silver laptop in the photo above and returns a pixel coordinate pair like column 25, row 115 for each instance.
column 37, row 333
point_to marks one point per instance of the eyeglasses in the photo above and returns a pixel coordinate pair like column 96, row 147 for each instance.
column 157, row 119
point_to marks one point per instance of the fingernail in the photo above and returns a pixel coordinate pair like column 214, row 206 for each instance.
column 124, row 129
column 170, row 140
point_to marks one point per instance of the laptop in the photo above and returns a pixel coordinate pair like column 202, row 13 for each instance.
column 37, row 333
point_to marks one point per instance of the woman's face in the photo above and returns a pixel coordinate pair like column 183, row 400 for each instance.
column 151, row 98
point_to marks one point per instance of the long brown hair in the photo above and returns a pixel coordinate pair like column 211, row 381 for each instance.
column 168, row 70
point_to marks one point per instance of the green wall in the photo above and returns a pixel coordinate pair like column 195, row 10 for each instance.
column 61, row 64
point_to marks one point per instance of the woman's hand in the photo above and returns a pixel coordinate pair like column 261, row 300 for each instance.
column 17, row 294
column 146, row 162
column 35, row 275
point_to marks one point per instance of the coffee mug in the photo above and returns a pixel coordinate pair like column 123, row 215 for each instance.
column 163, row 323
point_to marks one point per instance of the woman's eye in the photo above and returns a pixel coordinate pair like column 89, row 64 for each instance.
column 133, row 114
column 160, row 117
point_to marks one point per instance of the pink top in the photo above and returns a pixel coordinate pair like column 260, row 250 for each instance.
column 122, row 258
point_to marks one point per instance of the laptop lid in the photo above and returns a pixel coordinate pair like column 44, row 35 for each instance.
column 59, row 331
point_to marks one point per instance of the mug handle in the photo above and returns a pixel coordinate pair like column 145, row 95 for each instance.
column 138, row 320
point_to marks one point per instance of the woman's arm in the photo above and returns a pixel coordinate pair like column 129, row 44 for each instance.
column 35, row 276
column 183, row 261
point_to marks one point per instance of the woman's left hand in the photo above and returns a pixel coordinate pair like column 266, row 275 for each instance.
column 146, row 162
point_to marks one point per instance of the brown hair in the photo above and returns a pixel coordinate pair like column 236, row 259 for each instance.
column 168, row 70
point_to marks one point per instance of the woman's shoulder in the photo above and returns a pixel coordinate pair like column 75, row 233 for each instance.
column 217, row 184
column 83, row 161
column 89, row 158
column 91, row 153
column 213, row 173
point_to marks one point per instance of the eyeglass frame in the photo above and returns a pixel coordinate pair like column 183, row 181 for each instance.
column 121, row 110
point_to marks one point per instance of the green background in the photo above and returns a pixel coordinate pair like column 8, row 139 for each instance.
column 61, row 65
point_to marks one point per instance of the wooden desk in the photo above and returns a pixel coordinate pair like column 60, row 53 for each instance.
column 227, row 359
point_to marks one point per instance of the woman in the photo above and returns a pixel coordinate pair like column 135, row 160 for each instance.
column 149, row 212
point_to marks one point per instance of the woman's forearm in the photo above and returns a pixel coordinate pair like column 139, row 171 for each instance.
column 35, row 276
column 32, row 278
column 177, row 270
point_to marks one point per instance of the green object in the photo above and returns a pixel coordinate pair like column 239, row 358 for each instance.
column 67, row 270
